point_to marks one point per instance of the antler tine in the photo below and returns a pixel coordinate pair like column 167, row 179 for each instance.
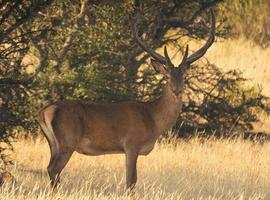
column 184, row 57
column 169, row 62
column 198, row 54
column 155, row 55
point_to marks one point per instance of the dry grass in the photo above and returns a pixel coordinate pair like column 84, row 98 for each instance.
column 190, row 170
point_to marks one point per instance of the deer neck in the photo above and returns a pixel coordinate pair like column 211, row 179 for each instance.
column 165, row 110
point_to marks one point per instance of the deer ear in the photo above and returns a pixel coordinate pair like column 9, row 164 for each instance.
column 159, row 67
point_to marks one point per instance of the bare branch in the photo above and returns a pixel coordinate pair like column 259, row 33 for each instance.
column 28, row 13
column 43, row 56
column 71, row 35
column 175, row 22
column 156, row 56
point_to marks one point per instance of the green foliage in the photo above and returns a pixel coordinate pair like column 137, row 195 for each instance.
column 92, row 69
column 248, row 18
column 224, row 105
column 15, row 85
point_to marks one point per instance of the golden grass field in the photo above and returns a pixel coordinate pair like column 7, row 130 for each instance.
column 213, row 169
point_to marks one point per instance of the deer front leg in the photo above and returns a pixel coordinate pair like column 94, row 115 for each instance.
column 131, row 170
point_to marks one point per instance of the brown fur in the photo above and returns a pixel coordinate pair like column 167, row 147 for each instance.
column 125, row 127
column 106, row 128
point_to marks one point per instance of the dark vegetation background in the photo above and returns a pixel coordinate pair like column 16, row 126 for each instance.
column 56, row 49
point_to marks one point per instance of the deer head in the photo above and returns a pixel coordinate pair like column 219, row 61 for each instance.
column 162, row 64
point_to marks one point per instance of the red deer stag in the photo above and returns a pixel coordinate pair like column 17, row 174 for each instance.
column 129, row 127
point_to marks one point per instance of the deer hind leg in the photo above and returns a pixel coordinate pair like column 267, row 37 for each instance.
column 58, row 160
column 56, row 166
column 131, row 169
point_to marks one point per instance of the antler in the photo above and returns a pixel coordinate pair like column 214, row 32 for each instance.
column 199, row 53
column 163, row 60
column 187, row 60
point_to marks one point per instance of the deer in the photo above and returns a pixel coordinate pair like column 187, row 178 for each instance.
column 128, row 127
